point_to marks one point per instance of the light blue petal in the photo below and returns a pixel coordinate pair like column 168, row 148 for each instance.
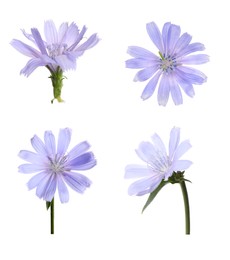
column 42, row 185
column 145, row 185
column 29, row 36
column 175, row 91
column 182, row 149
column 66, row 62
column 35, row 180
column 182, row 43
column 25, row 49
column 89, row 43
column 50, row 32
column 32, row 157
column 38, row 145
column 79, row 38
column 163, row 91
column 165, row 31
column 159, row 148
column 191, row 75
column 72, row 34
column 50, row 143
column 62, row 33
column 140, row 186
column 30, row 168
column 78, row 150
column 62, row 190
column 63, row 141
column 83, row 162
column 138, row 63
column 85, row 166
column 68, row 34
column 139, row 52
column 173, row 37
column 77, row 181
column 145, row 151
column 151, row 86
column 185, row 85
column 39, row 41
column 156, row 183
column 193, row 47
column 169, row 172
column 146, row 73
column 153, row 154
column 195, row 59
column 155, row 35
column 31, row 65
column 47, row 187
column 51, row 188
column 173, row 141
column 181, row 165
column 137, row 171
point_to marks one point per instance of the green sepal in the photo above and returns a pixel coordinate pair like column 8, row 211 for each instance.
column 177, row 177
column 187, row 180
column 48, row 204
column 154, row 194
column 57, row 83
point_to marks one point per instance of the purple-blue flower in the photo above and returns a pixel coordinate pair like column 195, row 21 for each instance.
column 60, row 48
column 55, row 167
column 158, row 164
column 169, row 68
column 58, row 51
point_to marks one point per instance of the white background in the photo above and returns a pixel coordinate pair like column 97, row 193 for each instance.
column 103, row 106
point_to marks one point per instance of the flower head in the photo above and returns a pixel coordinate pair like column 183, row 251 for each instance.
column 159, row 166
column 60, row 48
column 58, row 52
column 169, row 68
column 54, row 166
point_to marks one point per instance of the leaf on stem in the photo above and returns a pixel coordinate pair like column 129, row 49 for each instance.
column 48, row 204
column 154, row 194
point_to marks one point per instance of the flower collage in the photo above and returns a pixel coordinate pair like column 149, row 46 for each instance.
column 114, row 130
column 169, row 71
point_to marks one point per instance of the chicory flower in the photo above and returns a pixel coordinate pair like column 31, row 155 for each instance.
column 170, row 67
column 160, row 168
column 55, row 167
column 57, row 51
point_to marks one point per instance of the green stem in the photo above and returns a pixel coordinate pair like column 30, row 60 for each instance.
column 186, row 207
column 52, row 217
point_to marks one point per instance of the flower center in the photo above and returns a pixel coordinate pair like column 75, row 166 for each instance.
column 167, row 63
column 56, row 49
column 57, row 165
column 160, row 165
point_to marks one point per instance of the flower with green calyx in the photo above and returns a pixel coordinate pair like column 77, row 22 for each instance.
column 160, row 169
column 58, row 52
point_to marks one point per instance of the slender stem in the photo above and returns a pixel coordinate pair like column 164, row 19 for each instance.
column 186, row 207
column 52, row 217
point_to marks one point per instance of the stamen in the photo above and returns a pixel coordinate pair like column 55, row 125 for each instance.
column 167, row 63
column 56, row 49
column 57, row 165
